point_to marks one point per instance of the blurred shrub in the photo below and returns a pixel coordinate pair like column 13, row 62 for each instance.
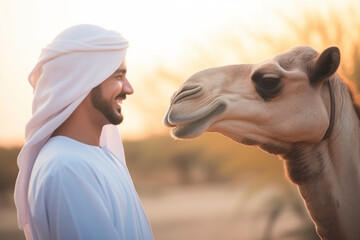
column 209, row 158
column 164, row 160
column 8, row 168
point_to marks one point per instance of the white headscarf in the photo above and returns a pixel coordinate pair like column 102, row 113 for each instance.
column 78, row 59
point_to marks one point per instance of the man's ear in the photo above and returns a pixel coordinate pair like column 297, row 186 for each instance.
column 325, row 65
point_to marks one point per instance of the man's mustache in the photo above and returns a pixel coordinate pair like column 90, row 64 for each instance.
column 121, row 96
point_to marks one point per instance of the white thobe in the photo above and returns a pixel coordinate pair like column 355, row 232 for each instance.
column 79, row 191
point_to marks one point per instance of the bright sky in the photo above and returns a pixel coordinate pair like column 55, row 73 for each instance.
column 158, row 30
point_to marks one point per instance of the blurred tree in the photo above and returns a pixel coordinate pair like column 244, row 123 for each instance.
column 184, row 162
column 319, row 28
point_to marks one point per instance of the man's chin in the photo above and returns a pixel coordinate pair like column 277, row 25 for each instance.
column 114, row 118
column 117, row 120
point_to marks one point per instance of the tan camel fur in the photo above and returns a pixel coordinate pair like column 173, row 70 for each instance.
column 294, row 105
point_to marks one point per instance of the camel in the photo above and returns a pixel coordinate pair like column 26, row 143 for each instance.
column 296, row 106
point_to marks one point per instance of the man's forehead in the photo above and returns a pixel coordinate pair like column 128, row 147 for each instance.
column 123, row 64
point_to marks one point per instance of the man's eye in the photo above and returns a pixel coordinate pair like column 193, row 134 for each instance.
column 119, row 78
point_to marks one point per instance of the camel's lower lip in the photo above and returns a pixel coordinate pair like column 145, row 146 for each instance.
column 197, row 126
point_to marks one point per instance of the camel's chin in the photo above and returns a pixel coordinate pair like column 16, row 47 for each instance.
column 192, row 130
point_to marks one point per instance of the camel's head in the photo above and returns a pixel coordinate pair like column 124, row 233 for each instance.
column 271, row 104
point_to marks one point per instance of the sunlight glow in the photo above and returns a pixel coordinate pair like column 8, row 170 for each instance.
column 160, row 32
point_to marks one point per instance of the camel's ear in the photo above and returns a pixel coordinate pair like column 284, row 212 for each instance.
column 325, row 65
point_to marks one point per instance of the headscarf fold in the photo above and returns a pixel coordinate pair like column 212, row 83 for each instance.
column 78, row 59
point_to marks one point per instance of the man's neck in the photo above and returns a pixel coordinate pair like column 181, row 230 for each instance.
column 87, row 137
column 81, row 126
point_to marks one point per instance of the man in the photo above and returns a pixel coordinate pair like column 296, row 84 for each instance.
column 73, row 182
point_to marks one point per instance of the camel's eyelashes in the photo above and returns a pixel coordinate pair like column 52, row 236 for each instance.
column 267, row 86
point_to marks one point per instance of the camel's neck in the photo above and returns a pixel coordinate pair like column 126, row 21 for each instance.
column 328, row 173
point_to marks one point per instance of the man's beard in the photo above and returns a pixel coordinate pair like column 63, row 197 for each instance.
column 104, row 106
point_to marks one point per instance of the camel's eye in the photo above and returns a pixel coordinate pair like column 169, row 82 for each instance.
column 267, row 85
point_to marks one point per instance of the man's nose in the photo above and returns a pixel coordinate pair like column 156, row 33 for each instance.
column 127, row 88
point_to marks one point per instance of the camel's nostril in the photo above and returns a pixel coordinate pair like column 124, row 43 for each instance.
column 187, row 91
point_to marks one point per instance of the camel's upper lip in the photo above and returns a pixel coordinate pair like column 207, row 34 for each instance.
column 184, row 93
column 187, row 91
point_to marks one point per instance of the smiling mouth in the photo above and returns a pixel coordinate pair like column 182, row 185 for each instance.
column 119, row 98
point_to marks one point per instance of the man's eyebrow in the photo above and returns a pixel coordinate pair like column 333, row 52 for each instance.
column 120, row 70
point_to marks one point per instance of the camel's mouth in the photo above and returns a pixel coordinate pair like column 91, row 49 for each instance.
column 190, row 125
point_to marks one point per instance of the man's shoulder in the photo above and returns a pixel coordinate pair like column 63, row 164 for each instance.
column 61, row 162
column 61, row 152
